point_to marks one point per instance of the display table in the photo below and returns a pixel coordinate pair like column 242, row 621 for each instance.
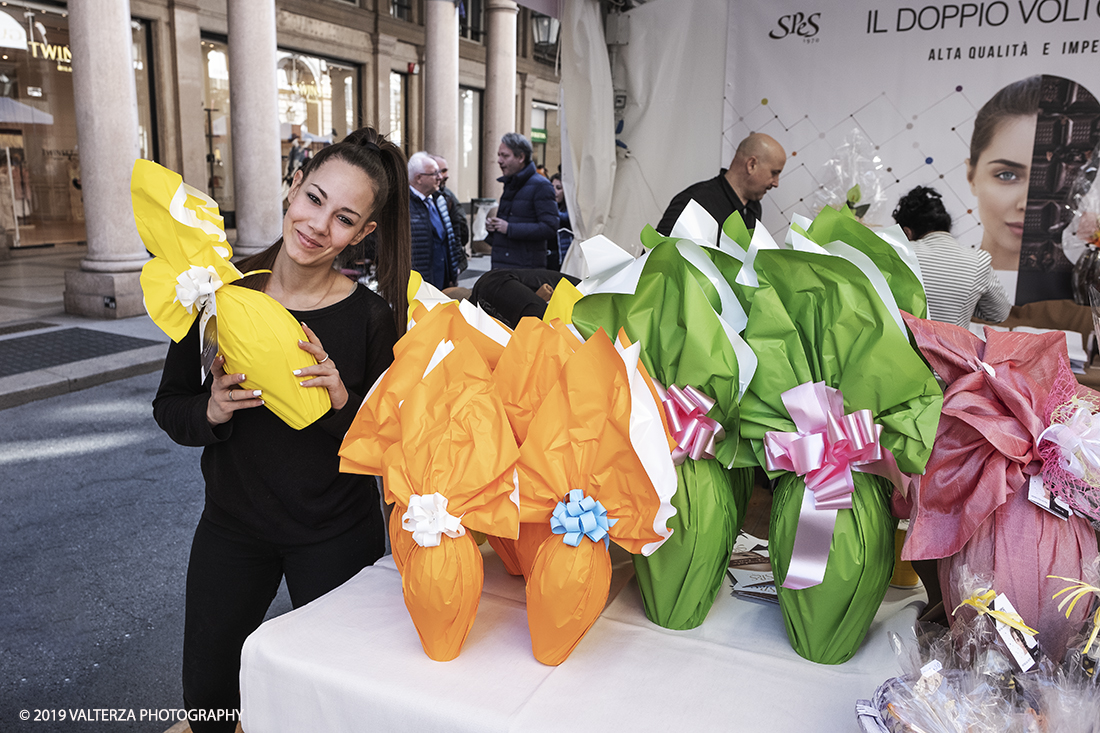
column 352, row 661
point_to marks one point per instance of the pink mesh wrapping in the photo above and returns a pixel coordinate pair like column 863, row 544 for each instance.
column 1081, row 494
column 971, row 506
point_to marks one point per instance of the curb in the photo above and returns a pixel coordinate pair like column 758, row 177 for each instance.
column 19, row 389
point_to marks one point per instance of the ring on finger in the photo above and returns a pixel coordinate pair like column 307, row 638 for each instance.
column 323, row 360
column 232, row 395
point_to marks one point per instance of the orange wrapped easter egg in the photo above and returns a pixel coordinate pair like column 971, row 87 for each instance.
column 442, row 588
column 401, row 542
column 566, row 592
column 505, row 547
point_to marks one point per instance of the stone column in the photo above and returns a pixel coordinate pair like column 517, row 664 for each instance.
column 105, row 98
column 254, row 99
column 441, row 78
column 339, row 103
column 187, row 92
column 500, row 88
column 525, row 105
column 384, row 52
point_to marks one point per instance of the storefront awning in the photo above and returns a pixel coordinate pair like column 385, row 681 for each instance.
column 546, row 7
column 17, row 113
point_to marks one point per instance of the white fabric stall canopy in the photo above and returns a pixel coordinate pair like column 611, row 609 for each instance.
column 667, row 62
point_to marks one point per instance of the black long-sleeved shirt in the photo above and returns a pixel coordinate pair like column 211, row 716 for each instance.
column 264, row 478
column 717, row 196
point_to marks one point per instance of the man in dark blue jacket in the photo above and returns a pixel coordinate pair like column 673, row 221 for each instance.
column 435, row 253
column 526, row 224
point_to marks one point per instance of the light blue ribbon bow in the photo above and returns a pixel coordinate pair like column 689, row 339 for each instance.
column 579, row 516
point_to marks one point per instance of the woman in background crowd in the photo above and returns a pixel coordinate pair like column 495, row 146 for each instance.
column 959, row 281
column 565, row 229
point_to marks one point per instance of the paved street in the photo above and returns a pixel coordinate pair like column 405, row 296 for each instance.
column 97, row 509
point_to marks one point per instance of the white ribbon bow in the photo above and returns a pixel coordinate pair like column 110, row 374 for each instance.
column 428, row 520
column 1079, row 441
column 196, row 286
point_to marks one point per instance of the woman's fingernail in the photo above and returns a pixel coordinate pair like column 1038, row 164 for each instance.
column 297, row 372
column 240, row 378
column 301, row 384
column 256, row 393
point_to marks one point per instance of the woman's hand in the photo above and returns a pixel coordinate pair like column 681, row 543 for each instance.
column 225, row 396
column 324, row 374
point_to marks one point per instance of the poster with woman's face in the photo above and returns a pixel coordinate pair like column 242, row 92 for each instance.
column 1030, row 141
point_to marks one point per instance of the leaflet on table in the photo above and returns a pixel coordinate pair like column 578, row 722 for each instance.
column 750, row 570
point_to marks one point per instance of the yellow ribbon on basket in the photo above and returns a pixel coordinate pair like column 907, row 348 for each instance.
column 1077, row 590
column 981, row 601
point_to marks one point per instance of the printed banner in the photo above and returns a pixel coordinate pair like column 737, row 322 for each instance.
column 841, row 84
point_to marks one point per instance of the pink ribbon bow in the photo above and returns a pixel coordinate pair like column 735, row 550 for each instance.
column 695, row 433
column 827, row 446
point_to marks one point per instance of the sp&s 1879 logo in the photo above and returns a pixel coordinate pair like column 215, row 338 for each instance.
column 802, row 25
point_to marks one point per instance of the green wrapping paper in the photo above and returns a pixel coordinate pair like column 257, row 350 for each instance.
column 827, row 623
column 831, row 225
column 672, row 313
column 817, row 318
column 814, row 318
column 679, row 584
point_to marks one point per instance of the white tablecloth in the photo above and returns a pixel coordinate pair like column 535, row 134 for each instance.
column 352, row 661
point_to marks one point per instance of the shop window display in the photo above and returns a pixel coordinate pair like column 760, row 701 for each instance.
column 318, row 104
column 41, row 199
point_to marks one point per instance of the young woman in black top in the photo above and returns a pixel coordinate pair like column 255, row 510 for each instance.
column 276, row 504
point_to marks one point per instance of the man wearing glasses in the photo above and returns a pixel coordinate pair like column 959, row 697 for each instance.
column 435, row 253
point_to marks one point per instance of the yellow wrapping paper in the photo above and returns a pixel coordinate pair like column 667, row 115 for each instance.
column 561, row 302
column 442, row 588
column 566, row 593
column 377, row 425
column 257, row 336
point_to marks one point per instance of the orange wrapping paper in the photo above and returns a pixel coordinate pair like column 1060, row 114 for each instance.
column 433, row 424
column 506, row 549
column 377, row 425
column 566, row 593
column 401, row 542
column 531, row 537
column 529, row 368
column 580, row 439
column 455, row 440
column 442, row 588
